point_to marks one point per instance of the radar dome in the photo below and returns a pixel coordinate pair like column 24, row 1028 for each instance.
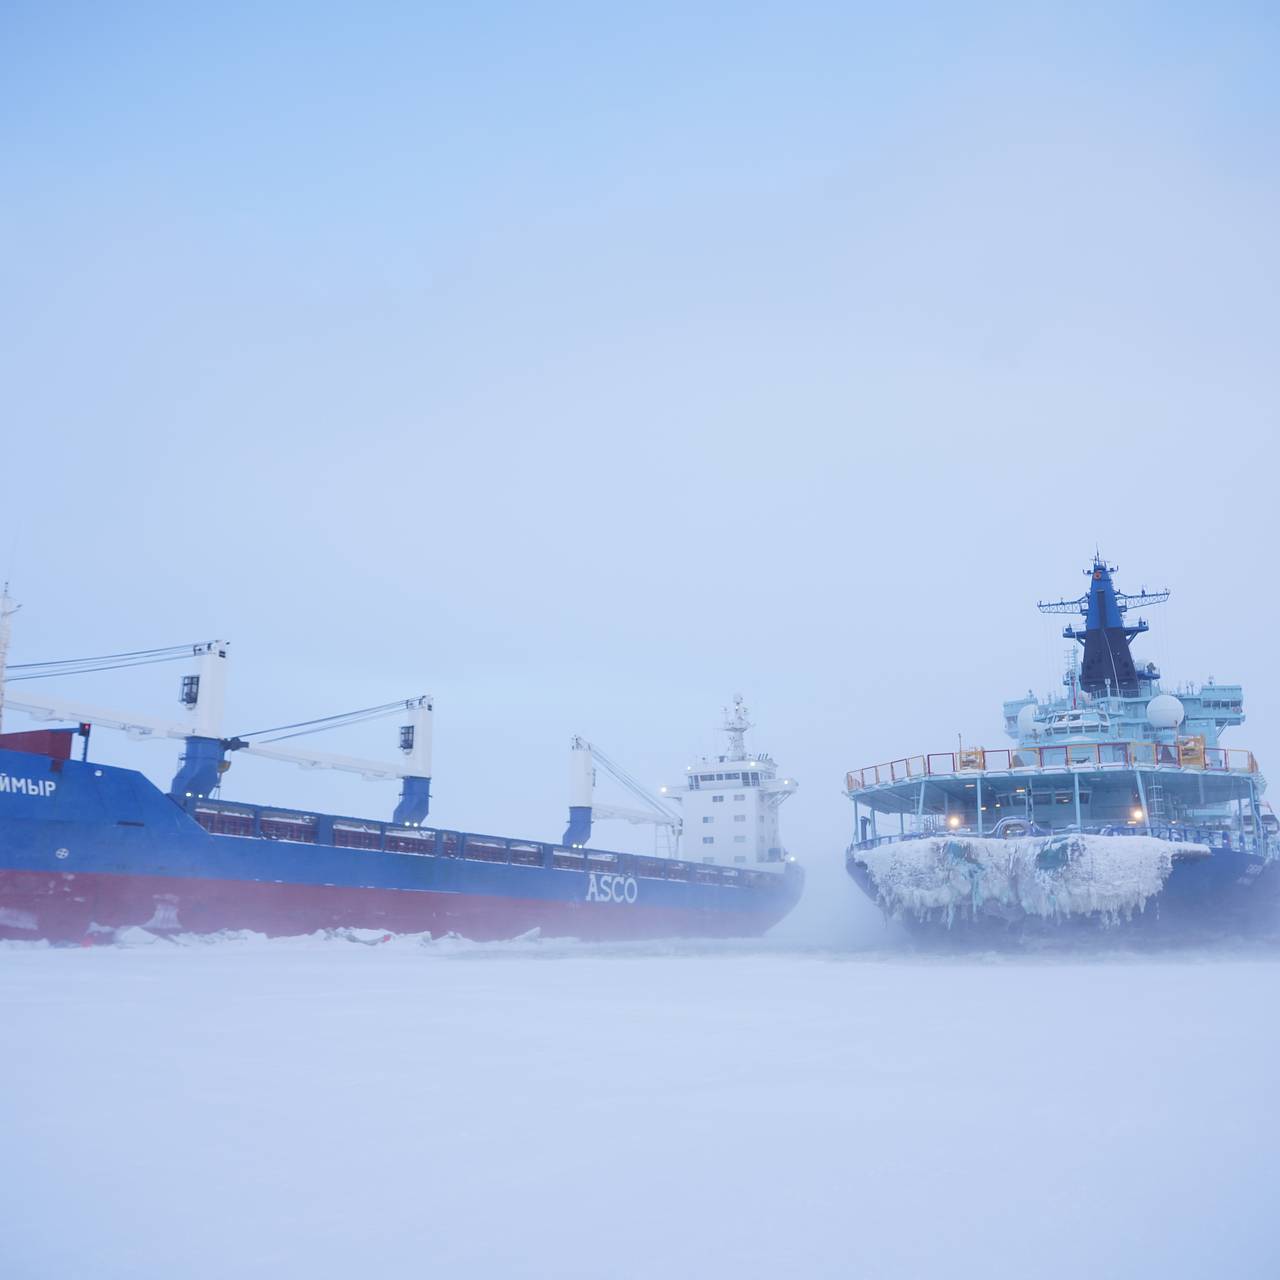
column 1027, row 725
column 1164, row 711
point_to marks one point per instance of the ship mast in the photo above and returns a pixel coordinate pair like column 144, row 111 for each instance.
column 1108, row 666
column 736, row 726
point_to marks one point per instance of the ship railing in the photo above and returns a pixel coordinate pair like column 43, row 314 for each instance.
column 1217, row 838
column 358, row 835
column 1067, row 755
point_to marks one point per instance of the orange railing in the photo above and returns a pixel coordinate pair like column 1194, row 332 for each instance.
column 1071, row 755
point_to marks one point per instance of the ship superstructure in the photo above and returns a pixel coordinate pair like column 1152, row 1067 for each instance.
column 1110, row 758
column 731, row 802
column 728, row 803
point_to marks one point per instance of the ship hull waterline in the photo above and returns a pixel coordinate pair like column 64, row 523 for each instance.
column 71, row 907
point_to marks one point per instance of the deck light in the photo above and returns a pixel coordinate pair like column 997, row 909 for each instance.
column 1137, row 815
column 954, row 821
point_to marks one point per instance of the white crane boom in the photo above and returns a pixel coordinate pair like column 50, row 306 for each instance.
column 104, row 717
column 638, row 816
column 139, row 726
column 656, row 811
column 371, row 770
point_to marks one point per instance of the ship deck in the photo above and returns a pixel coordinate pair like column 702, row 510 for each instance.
column 230, row 818
column 1209, row 795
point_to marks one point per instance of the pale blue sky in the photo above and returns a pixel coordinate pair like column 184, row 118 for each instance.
column 586, row 365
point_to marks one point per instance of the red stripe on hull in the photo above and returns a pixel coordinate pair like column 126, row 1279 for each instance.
column 68, row 907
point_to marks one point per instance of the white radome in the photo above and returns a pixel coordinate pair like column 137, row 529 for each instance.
column 1164, row 711
column 1027, row 723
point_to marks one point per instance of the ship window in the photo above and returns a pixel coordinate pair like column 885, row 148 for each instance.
column 740, row 796
column 708, row 839
column 739, row 817
column 485, row 850
column 708, row 818
column 739, row 839
column 717, row 799
column 732, row 777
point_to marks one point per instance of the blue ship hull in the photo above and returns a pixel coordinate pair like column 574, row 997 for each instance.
column 88, row 848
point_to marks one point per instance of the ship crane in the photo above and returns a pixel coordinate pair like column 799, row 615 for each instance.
column 583, row 809
column 204, row 759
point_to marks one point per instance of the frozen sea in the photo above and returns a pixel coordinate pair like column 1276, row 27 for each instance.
column 323, row 1108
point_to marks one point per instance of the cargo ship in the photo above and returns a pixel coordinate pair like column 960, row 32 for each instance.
column 1118, row 807
column 88, row 849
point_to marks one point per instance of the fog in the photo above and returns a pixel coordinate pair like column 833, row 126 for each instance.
column 585, row 367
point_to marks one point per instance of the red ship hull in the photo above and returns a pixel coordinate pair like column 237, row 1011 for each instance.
column 75, row 907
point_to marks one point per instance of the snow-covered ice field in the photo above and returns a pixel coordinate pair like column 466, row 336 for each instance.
column 321, row 1108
